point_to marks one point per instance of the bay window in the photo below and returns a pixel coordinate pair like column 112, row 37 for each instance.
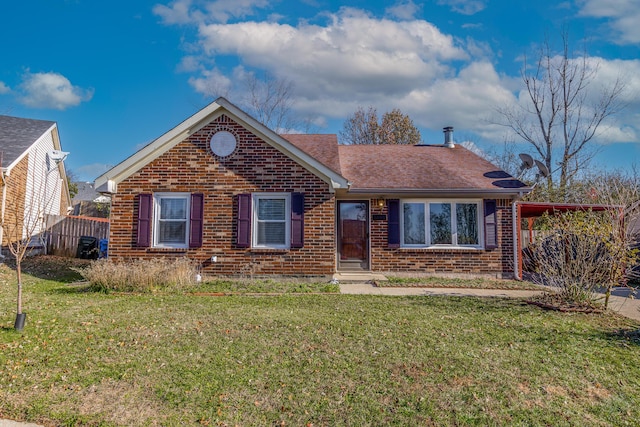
column 427, row 223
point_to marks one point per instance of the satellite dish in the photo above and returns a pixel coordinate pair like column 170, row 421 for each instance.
column 544, row 172
column 527, row 161
column 57, row 155
column 54, row 157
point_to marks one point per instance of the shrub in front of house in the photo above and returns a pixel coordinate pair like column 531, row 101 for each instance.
column 140, row 275
column 585, row 253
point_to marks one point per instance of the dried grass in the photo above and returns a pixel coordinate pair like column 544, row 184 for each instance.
column 140, row 275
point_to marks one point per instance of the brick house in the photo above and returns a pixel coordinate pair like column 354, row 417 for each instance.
column 34, row 181
column 223, row 189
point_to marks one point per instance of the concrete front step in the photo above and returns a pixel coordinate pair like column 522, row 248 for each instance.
column 358, row 277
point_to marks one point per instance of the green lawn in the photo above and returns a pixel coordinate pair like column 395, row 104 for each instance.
column 310, row 359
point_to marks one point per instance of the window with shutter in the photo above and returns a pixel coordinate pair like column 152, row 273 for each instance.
column 441, row 223
column 271, row 220
column 171, row 215
column 297, row 220
column 145, row 206
column 244, row 221
column 393, row 224
column 490, row 224
column 196, row 220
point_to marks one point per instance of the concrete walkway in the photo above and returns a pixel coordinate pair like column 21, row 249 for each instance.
column 9, row 423
column 619, row 301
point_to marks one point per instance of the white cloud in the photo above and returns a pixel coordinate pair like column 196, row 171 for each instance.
column 51, row 90
column 353, row 56
column 355, row 59
column 404, row 10
column 212, row 83
column 623, row 16
column 176, row 13
column 465, row 7
column 463, row 101
column 620, row 126
column 4, row 88
column 201, row 11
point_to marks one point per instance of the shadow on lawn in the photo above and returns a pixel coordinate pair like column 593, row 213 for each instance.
column 75, row 288
column 626, row 336
column 50, row 267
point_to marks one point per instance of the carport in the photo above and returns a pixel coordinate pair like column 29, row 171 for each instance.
column 533, row 210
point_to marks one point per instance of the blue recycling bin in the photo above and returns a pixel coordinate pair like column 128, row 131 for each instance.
column 103, row 247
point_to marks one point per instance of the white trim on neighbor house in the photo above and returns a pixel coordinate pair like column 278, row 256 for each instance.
column 108, row 182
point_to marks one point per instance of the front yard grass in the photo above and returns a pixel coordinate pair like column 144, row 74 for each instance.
column 454, row 282
column 88, row 358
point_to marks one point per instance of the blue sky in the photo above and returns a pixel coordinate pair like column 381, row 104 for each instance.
column 116, row 75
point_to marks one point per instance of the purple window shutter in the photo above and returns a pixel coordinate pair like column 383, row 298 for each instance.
column 393, row 223
column 195, row 220
column 145, row 205
column 244, row 221
column 490, row 225
column 297, row 220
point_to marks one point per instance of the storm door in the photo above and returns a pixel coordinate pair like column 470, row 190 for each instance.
column 353, row 235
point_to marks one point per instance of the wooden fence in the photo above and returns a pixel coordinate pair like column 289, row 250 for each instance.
column 64, row 232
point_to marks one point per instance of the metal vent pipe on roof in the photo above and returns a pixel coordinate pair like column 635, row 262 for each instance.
column 448, row 137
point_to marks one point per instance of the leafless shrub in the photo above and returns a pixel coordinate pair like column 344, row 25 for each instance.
column 140, row 275
column 585, row 252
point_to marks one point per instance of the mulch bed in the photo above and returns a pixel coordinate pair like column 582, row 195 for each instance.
column 565, row 308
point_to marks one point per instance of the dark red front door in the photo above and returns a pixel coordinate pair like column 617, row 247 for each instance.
column 353, row 235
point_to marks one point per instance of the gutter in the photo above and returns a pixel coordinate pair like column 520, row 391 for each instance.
column 457, row 191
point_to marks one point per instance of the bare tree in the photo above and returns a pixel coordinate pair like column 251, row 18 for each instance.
column 23, row 217
column 560, row 119
column 270, row 101
column 363, row 127
column 267, row 98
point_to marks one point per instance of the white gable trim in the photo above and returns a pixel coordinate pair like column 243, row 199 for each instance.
column 108, row 182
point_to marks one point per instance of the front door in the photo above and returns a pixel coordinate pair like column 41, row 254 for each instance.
column 353, row 235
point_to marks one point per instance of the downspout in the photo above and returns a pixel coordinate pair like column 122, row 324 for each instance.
column 516, row 241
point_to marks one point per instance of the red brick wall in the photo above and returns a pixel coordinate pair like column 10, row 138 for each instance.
column 257, row 167
column 14, row 206
column 495, row 262
column 254, row 167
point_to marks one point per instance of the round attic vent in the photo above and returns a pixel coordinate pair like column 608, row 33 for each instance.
column 223, row 143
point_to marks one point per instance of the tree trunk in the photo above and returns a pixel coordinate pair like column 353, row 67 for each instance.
column 19, row 274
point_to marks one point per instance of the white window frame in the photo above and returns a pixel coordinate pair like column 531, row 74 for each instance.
column 454, row 223
column 256, row 222
column 157, row 197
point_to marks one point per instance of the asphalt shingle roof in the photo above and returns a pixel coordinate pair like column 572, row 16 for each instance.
column 322, row 147
column 406, row 167
column 17, row 135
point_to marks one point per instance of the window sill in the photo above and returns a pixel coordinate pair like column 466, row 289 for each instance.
column 269, row 250
column 167, row 250
column 441, row 249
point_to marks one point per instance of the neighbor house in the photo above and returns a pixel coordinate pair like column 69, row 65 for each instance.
column 34, row 181
column 224, row 190
column 88, row 202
